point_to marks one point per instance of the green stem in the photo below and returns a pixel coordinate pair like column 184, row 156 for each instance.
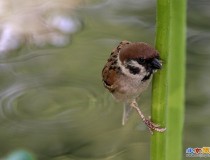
column 168, row 84
column 159, row 86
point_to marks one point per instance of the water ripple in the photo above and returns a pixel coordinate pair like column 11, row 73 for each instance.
column 33, row 105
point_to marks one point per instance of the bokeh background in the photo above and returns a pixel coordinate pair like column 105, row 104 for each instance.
column 52, row 101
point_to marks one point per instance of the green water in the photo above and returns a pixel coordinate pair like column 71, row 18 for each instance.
column 53, row 103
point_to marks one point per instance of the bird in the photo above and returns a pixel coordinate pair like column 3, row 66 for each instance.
column 128, row 72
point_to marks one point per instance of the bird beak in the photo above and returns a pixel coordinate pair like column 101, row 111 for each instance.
column 156, row 64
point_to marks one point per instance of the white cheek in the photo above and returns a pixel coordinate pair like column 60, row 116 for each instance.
column 142, row 73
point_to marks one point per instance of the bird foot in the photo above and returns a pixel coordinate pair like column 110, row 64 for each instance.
column 153, row 126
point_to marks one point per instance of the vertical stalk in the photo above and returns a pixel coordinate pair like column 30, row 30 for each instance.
column 168, row 84
column 160, row 80
column 176, row 80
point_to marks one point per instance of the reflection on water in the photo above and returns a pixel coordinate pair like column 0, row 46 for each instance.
column 37, row 23
column 52, row 101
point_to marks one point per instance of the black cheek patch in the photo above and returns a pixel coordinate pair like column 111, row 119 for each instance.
column 148, row 76
column 133, row 70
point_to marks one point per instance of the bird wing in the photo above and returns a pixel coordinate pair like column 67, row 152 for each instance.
column 110, row 77
column 112, row 70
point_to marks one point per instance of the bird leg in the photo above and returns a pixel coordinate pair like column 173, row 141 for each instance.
column 152, row 126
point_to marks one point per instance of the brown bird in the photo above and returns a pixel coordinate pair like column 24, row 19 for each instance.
column 127, row 74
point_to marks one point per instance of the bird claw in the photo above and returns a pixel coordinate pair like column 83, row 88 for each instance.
column 153, row 126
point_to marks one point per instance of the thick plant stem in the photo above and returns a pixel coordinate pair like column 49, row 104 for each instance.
column 160, row 80
column 168, row 84
column 176, row 80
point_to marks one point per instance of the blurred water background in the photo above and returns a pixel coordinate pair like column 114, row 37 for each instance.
column 52, row 101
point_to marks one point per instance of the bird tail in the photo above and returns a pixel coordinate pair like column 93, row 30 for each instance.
column 126, row 112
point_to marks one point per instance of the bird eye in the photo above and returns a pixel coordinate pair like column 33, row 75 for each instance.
column 141, row 60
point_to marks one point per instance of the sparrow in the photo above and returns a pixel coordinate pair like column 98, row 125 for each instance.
column 128, row 72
